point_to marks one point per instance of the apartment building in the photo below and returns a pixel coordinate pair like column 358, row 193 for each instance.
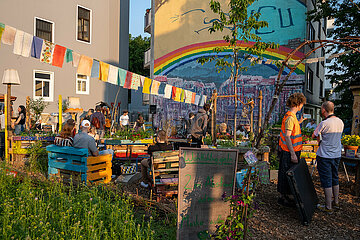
column 98, row 29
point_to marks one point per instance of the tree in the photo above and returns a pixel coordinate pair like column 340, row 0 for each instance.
column 345, row 70
column 137, row 47
column 242, row 26
column 37, row 106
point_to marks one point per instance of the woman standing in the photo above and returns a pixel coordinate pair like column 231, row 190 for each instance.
column 20, row 121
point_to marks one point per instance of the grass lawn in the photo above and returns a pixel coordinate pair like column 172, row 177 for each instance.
column 33, row 209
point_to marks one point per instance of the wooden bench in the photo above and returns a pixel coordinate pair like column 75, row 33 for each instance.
column 74, row 164
column 165, row 173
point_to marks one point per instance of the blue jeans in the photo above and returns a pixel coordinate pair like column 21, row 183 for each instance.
column 328, row 171
column 107, row 151
column 19, row 128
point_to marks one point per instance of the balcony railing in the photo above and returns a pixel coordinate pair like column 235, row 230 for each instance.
column 147, row 21
column 147, row 58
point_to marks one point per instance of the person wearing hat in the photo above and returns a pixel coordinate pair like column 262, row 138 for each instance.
column 84, row 140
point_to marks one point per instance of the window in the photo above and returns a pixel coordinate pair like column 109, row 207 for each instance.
column 311, row 35
column 44, row 85
column 323, row 55
column 82, row 84
column 319, row 30
column 44, row 29
column 83, row 24
column 317, row 69
column 310, row 80
column 321, row 94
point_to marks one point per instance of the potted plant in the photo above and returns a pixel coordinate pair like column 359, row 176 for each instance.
column 351, row 144
column 128, row 168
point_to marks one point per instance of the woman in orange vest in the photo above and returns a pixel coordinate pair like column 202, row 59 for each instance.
column 291, row 144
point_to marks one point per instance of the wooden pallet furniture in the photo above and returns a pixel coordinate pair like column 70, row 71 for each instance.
column 74, row 164
column 165, row 173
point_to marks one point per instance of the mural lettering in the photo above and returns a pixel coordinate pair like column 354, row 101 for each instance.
column 280, row 16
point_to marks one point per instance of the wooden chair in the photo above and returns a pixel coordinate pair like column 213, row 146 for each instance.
column 165, row 173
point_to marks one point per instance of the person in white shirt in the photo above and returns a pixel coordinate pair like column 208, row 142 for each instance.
column 124, row 120
column 311, row 124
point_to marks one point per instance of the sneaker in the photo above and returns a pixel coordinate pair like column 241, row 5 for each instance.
column 323, row 208
column 144, row 185
column 335, row 206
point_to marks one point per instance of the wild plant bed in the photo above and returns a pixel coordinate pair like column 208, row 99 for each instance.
column 34, row 209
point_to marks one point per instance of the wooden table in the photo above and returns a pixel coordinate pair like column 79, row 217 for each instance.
column 357, row 176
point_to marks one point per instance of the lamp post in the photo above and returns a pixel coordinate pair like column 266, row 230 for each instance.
column 10, row 77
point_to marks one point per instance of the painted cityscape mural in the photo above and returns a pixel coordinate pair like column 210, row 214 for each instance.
column 181, row 37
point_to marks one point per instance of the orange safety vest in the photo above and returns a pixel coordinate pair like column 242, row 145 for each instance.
column 296, row 138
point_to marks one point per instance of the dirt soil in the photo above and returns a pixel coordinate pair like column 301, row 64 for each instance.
column 273, row 221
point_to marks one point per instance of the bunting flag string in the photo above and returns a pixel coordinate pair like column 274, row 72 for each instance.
column 27, row 45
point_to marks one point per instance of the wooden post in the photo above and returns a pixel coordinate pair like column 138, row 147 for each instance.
column 28, row 117
column 8, row 99
column 235, row 99
column 252, row 115
column 260, row 111
column 7, row 144
column 213, row 118
column 60, row 113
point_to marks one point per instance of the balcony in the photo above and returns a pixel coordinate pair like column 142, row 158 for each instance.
column 147, row 58
column 147, row 21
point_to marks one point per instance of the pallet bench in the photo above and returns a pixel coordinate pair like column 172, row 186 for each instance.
column 165, row 173
column 74, row 164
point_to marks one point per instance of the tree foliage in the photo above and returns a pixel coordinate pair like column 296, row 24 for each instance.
column 344, row 71
column 137, row 47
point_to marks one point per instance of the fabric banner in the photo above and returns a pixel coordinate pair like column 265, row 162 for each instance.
column 8, row 35
column 58, row 56
column 182, row 95
column 135, row 81
column 197, row 99
column 95, row 69
column 2, row 29
column 47, row 52
column 162, row 89
column 188, row 96
column 104, row 71
column 36, row 47
column 193, row 97
column 122, row 77
column 26, row 46
column 128, row 78
column 69, row 55
column 18, row 42
column 76, row 59
column 173, row 93
column 168, row 91
column 142, row 79
column 113, row 75
column 178, row 94
column 147, row 85
column 85, row 65
column 202, row 101
column 155, row 87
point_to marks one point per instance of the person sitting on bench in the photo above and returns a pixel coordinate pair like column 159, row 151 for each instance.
column 84, row 140
column 161, row 145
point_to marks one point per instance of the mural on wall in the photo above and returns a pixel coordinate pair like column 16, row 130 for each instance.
column 181, row 37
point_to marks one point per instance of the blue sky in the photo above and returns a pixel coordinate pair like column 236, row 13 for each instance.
column 137, row 12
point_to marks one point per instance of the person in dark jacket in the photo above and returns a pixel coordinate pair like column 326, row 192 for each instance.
column 189, row 123
column 199, row 127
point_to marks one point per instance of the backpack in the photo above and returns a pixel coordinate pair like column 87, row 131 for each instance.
column 95, row 122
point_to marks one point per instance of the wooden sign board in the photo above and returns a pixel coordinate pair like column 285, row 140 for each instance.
column 204, row 176
column 264, row 175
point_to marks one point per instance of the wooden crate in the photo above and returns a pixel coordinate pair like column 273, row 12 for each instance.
column 165, row 172
column 69, row 162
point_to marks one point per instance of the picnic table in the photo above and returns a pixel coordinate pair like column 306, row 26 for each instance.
column 356, row 161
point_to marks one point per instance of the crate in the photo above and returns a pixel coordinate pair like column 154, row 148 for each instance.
column 165, row 172
column 74, row 164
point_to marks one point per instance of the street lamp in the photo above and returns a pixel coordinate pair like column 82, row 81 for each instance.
column 10, row 77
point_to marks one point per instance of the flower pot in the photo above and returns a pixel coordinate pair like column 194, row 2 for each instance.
column 350, row 151
column 128, row 169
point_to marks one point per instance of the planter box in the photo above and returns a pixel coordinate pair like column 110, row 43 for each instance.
column 33, row 138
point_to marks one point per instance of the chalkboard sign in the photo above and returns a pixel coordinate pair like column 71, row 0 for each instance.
column 263, row 168
column 204, row 176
